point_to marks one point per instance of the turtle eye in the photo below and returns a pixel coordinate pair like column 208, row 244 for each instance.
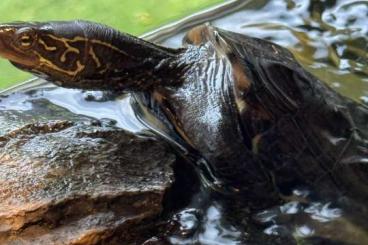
column 25, row 38
column 25, row 41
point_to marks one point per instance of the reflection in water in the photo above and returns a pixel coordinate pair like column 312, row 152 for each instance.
column 82, row 103
column 17, row 102
column 309, row 219
column 330, row 39
column 214, row 231
column 211, row 229
column 91, row 104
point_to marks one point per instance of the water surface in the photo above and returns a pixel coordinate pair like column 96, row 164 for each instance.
column 330, row 38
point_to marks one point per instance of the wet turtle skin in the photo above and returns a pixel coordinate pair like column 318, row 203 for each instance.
column 262, row 123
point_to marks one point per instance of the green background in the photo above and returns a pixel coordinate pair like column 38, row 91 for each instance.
column 132, row 16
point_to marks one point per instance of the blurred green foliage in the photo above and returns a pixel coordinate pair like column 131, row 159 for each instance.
column 135, row 17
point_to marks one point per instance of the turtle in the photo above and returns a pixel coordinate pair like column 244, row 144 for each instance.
column 244, row 105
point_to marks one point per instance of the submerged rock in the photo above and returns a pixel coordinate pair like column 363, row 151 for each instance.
column 64, row 182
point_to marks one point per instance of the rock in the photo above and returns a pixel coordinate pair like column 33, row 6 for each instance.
column 65, row 182
column 23, row 109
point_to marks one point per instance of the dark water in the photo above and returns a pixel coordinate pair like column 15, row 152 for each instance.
column 330, row 39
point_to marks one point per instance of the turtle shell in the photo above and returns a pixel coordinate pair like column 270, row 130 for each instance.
column 261, row 121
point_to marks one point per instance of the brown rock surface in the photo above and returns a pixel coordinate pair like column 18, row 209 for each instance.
column 68, row 182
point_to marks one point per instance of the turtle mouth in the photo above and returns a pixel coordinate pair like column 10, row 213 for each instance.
column 23, row 67
column 16, row 59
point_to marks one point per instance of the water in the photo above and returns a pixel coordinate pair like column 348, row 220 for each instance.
column 211, row 228
column 90, row 104
column 330, row 39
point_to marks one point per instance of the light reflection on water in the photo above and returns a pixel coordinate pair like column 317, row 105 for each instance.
column 210, row 230
column 315, row 218
column 328, row 37
column 75, row 100
column 90, row 104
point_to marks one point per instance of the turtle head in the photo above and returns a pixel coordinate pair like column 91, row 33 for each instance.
column 17, row 42
column 81, row 54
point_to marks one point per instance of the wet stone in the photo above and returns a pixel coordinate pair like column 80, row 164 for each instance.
column 20, row 109
column 64, row 182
